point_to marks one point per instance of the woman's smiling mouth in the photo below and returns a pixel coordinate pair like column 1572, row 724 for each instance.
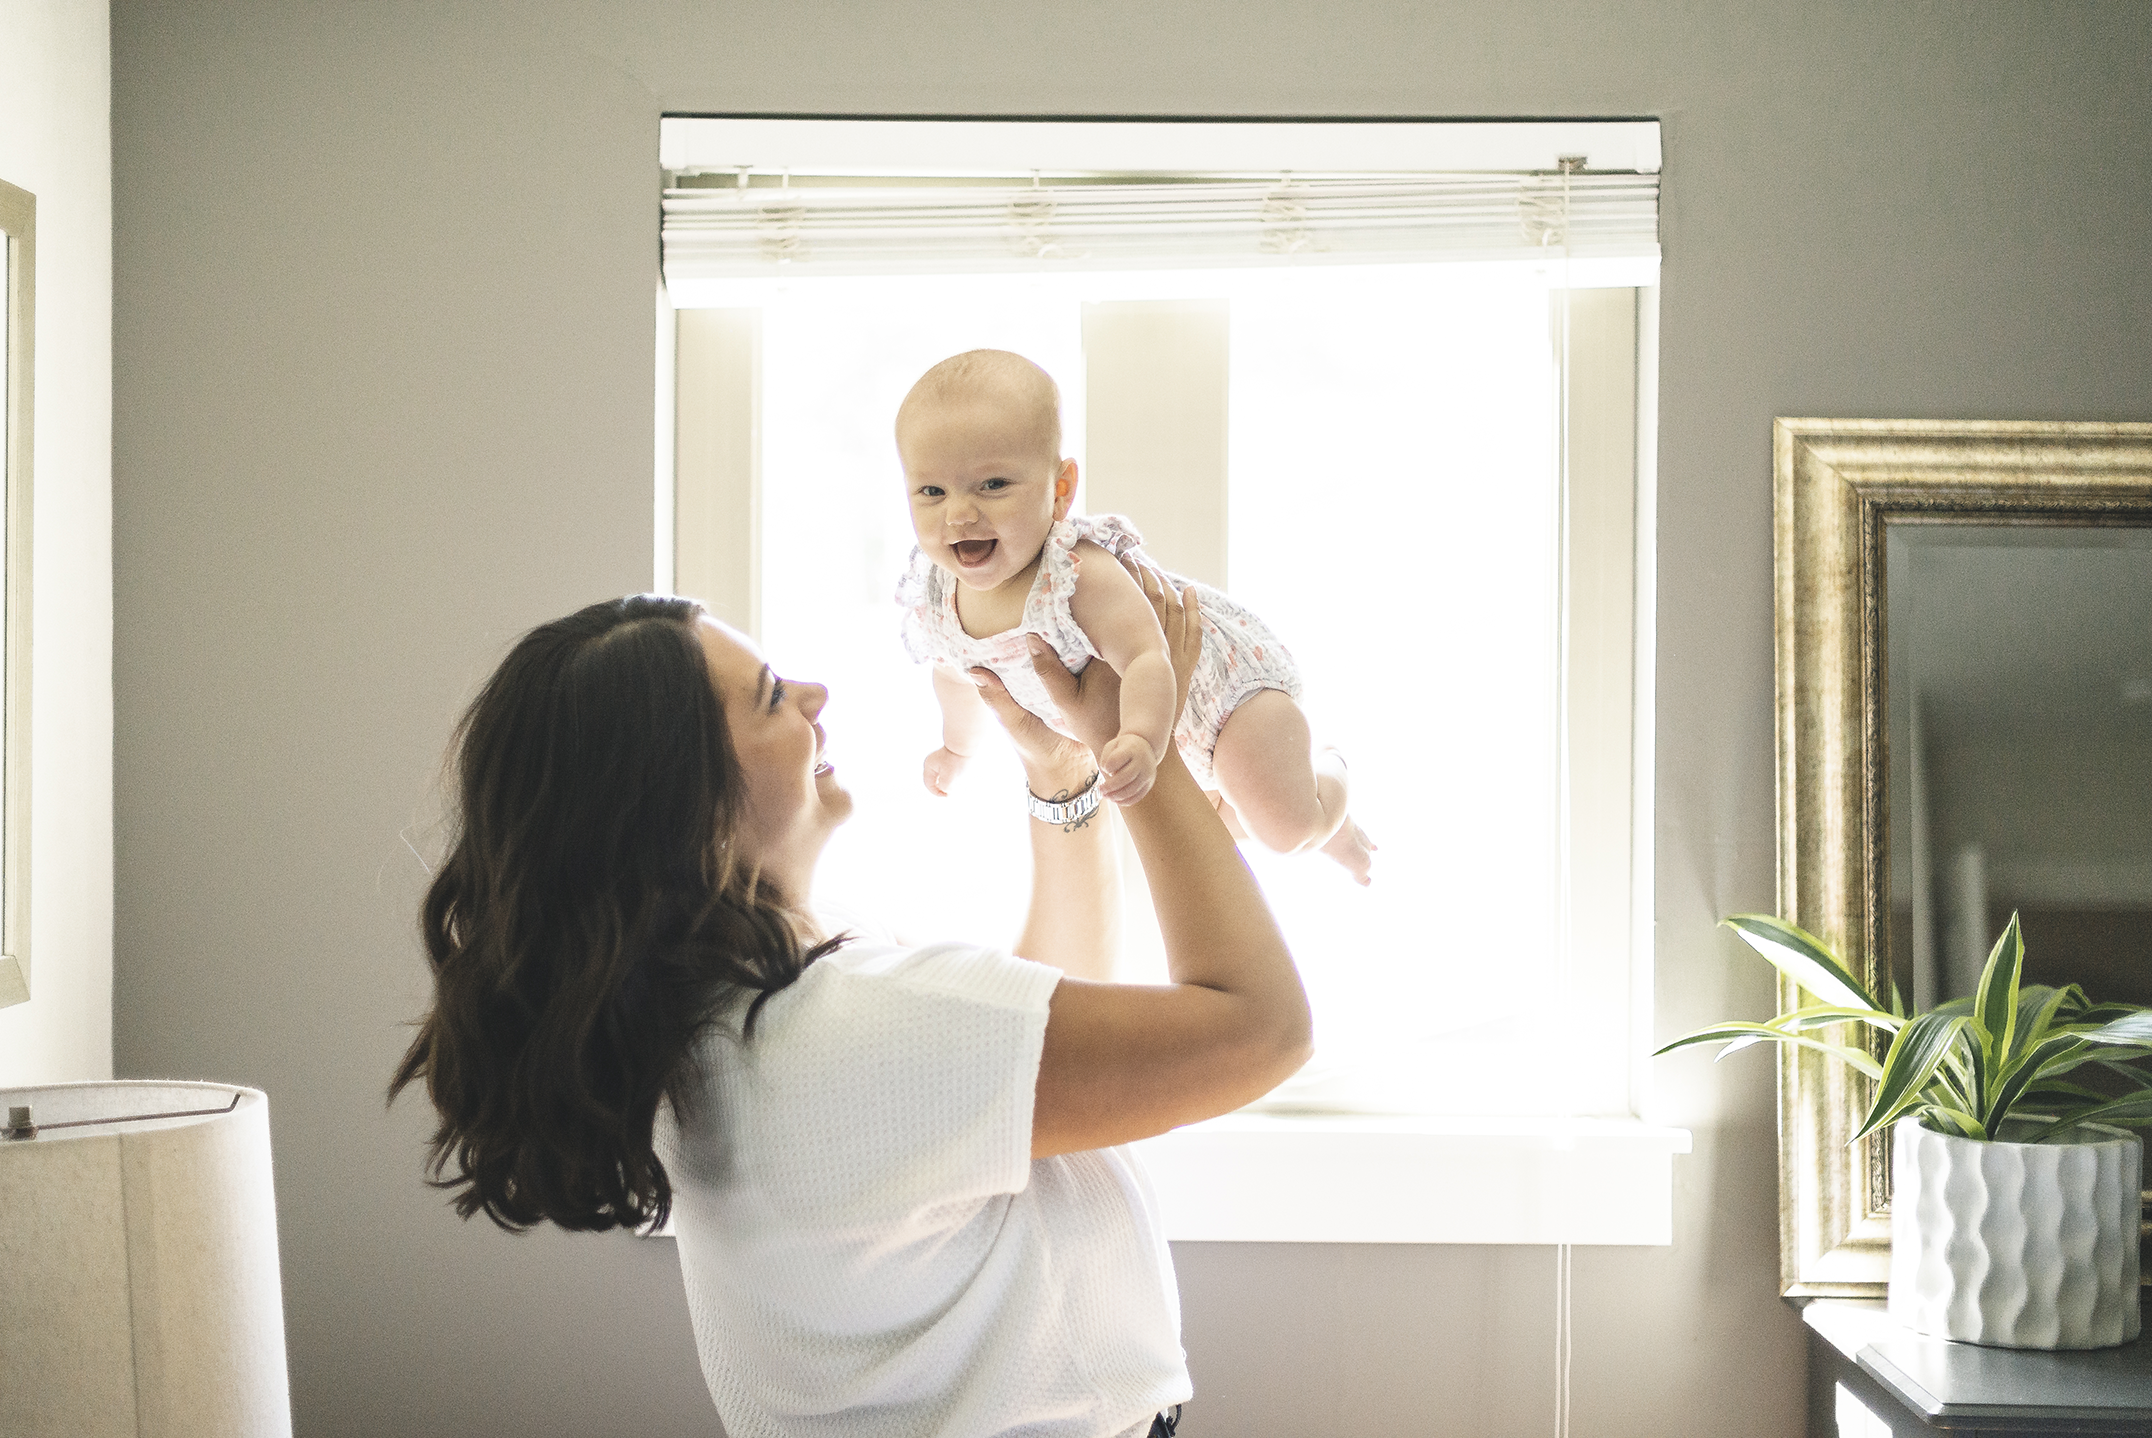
column 971, row 553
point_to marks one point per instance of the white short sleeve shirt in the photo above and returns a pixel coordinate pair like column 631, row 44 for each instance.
column 867, row 1244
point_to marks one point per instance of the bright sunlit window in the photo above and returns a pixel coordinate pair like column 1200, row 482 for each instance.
column 1393, row 516
column 1394, row 508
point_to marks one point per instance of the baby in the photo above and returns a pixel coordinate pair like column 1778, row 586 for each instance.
column 999, row 559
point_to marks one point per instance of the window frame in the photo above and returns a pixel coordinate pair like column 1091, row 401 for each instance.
column 1596, row 1177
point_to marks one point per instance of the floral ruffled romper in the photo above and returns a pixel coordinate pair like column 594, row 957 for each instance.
column 1240, row 654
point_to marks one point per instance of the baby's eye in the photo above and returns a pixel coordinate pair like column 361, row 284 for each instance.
column 930, row 491
column 994, row 484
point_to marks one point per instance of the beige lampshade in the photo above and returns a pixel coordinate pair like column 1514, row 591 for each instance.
column 139, row 1289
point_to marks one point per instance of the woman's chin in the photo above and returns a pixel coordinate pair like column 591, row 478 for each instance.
column 835, row 797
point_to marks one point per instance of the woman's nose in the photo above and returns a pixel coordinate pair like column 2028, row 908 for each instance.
column 812, row 698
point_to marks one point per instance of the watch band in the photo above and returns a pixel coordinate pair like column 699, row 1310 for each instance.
column 1065, row 811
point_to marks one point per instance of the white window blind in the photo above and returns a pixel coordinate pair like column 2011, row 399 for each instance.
column 750, row 225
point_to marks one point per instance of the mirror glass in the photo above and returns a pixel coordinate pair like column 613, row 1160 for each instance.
column 2019, row 706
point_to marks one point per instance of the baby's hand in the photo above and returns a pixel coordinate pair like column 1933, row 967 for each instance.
column 1126, row 767
column 942, row 767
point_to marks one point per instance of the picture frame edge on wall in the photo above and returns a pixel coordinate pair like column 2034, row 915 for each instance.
column 18, row 229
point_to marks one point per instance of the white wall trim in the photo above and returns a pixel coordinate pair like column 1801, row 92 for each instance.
column 1262, row 1178
column 981, row 147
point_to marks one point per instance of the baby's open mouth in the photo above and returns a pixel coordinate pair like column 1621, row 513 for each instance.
column 971, row 553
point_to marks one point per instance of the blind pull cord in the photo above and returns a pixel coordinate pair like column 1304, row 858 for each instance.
column 1563, row 1253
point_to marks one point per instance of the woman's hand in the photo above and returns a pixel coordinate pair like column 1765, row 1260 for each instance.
column 1090, row 701
column 1125, row 1062
column 1073, row 921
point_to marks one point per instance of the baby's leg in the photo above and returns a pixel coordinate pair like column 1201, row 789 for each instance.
column 1287, row 797
column 1226, row 814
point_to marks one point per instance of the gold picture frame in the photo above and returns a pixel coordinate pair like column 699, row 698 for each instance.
column 1838, row 484
column 18, row 233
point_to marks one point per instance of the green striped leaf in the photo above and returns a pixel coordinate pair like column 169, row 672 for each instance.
column 2102, row 1056
column 1816, row 1016
column 1954, row 1080
column 1745, row 1034
column 2062, row 1093
column 2132, row 1028
column 1997, row 1006
column 2133, row 1110
column 2027, row 1070
column 1802, row 957
column 1956, row 1121
column 1914, row 1057
column 2038, row 1006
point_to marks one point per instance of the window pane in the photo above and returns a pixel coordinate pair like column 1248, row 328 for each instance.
column 838, row 357
column 1393, row 518
column 1392, row 514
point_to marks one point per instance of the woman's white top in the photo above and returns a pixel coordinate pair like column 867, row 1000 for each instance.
column 869, row 1247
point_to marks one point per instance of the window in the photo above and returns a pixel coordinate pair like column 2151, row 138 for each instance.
column 1356, row 428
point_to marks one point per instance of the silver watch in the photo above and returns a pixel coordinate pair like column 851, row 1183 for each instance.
column 1065, row 811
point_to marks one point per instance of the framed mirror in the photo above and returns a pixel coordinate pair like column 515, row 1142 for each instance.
column 1963, row 622
column 18, row 296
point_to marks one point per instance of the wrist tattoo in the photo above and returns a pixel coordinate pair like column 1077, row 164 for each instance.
column 1062, row 796
column 1069, row 809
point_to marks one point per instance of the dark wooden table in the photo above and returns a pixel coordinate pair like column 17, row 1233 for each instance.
column 1911, row 1384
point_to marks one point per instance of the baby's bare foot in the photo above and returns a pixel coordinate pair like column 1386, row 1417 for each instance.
column 1354, row 849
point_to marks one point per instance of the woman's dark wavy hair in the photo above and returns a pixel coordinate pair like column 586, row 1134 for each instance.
column 589, row 921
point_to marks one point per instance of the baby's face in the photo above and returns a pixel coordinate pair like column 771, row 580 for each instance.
column 985, row 487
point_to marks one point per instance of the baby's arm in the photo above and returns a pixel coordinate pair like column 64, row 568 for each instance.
column 1121, row 625
column 964, row 714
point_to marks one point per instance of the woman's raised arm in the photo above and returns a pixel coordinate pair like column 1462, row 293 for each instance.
column 1074, row 919
column 1126, row 1061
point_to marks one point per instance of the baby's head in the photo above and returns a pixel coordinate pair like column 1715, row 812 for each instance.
column 980, row 439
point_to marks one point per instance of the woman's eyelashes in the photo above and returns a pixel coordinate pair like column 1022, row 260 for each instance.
column 777, row 692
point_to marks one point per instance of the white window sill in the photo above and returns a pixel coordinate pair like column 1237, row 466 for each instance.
column 1337, row 1178
column 1262, row 1178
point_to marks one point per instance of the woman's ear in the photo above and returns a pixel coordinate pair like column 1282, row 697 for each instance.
column 1064, row 488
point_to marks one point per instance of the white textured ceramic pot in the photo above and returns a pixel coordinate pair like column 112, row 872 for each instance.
column 2017, row 1245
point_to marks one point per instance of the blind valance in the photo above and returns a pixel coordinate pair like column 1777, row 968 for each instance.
column 718, row 231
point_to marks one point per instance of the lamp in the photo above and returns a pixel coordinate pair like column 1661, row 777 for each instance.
column 139, row 1288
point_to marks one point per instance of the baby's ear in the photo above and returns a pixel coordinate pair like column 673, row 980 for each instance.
column 1064, row 488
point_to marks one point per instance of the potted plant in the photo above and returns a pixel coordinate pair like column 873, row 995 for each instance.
column 2015, row 1211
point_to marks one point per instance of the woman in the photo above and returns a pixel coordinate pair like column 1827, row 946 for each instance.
column 891, row 1170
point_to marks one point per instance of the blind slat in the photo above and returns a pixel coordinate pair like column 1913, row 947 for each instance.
column 727, row 233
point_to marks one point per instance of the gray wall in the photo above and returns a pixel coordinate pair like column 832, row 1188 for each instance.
column 383, row 382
